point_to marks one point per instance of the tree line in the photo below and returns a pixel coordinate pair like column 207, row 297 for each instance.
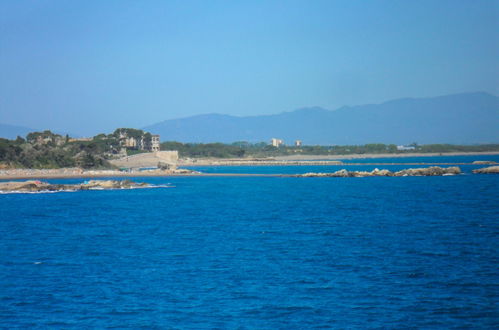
column 262, row 149
column 49, row 150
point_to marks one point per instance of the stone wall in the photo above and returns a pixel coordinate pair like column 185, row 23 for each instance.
column 170, row 157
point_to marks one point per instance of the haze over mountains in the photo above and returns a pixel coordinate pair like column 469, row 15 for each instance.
column 467, row 118
column 12, row 131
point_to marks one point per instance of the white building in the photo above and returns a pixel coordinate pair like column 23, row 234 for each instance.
column 298, row 143
column 405, row 148
column 276, row 142
column 147, row 142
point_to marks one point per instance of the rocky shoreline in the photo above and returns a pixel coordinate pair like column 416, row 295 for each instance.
column 40, row 186
column 428, row 171
column 35, row 175
column 10, row 174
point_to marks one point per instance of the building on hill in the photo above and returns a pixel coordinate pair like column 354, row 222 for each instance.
column 137, row 140
column 130, row 142
column 45, row 137
column 155, row 143
column 148, row 142
column 298, row 143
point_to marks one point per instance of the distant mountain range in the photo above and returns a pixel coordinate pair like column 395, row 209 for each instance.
column 12, row 132
column 466, row 118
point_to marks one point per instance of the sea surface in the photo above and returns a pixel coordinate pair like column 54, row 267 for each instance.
column 255, row 253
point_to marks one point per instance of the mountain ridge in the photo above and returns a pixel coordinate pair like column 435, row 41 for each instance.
column 8, row 131
column 464, row 118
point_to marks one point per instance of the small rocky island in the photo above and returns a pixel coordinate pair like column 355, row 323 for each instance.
column 484, row 162
column 40, row 186
column 487, row 170
column 428, row 171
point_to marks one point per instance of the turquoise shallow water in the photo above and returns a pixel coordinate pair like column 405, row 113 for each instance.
column 255, row 252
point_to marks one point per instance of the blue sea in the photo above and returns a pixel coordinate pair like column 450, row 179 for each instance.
column 255, row 253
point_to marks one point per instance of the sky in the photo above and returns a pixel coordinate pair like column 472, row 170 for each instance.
column 88, row 67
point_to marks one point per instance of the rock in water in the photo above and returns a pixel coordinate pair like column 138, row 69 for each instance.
column 429, row 171
column 484, row 162
column 27, row 186
column 341, row 173
column 487, row 170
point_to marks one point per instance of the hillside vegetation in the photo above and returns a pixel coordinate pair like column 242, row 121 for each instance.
column 245, row 149
column 49, row 150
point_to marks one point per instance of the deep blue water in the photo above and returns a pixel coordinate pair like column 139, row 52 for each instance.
column 256, row 253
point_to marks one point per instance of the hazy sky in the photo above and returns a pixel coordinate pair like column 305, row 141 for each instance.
column 90, row 66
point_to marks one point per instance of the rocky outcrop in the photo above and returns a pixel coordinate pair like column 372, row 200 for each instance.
column 39, row 186
column 111, row 184
column 24, row 186
column 487, row 170
column 484, row 162
column 428, row 171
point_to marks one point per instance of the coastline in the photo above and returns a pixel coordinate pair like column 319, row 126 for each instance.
column 320, row 159
column 333, row 160
column 387, row 155
column 22, row 174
